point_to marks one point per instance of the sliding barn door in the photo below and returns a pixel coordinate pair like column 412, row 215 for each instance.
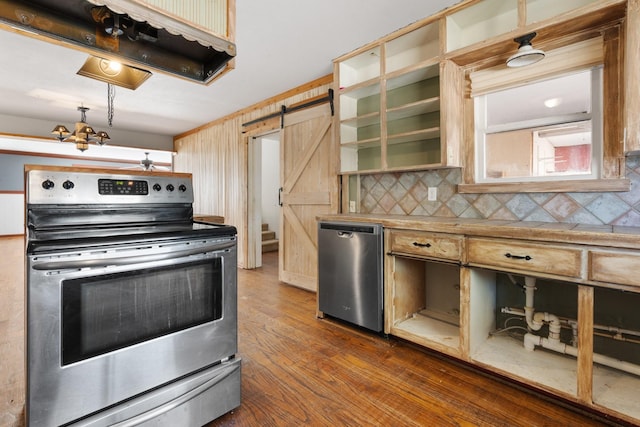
column 309, row 188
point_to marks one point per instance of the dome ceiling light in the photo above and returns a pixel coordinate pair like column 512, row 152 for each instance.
column 526, row 54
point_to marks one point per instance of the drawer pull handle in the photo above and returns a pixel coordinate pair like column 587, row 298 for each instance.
column 526, row 257
column 422, row 245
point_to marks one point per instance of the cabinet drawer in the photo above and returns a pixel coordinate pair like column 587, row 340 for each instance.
column 428, row 245
column 614, row 267
column 534, row 257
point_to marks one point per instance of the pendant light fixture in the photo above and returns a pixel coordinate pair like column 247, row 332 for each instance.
column 82, row 134
column 526, row 54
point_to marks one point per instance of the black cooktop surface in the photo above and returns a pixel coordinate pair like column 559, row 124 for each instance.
column 62, row 238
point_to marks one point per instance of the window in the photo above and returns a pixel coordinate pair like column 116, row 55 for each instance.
column 543, row 130
column 573, row 144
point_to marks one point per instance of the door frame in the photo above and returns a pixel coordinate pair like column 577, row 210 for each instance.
column 254, row 195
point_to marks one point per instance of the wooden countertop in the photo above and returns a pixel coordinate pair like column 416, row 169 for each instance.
column 596, row 235
column 209, row 219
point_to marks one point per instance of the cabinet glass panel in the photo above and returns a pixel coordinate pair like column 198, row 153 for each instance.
column 412, row 48
column 539, row 346
column 616, row 350
column 539, row 10
column 486, row 19
column 426, row 304
column 360, row 68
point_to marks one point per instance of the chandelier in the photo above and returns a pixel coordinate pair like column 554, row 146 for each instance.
column 82, row 134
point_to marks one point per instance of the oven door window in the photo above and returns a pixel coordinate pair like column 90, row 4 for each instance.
column 105, row 313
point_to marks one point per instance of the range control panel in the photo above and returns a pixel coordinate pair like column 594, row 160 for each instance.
column 62, row 187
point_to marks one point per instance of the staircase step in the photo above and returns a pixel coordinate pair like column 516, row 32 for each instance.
column 265, row 227
column 270, row 245
column 268, row 235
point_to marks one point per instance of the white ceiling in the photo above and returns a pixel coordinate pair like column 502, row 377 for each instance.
column 281, row 44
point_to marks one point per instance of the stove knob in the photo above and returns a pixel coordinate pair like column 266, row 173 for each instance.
column 157, row 187
column 68, row 185
column 170, row 187
column 48, row 184
column 182, row 188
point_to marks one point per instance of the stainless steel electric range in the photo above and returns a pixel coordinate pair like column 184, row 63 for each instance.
column 131, row 306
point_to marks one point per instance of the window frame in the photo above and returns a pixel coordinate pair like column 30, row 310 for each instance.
column 613, row 157
column 482, row 129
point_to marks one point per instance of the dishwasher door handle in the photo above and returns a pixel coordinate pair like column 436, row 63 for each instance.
column 345, row 234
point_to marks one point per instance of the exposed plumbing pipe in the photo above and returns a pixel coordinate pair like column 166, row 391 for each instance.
column 529, row 289
column 531, row 340
column 552, row 320
column 535, row 321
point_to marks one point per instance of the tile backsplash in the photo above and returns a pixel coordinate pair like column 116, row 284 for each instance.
column 406, row 194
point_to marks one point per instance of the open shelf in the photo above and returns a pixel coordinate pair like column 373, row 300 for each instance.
column 360, row 101
column 360, row 68
column 396, row 129
column 412, row 48
column 422, row 326
column 497, row 337
column 360, row 157
column 426, row 303
column 617, row 336
column 483, row 20
column 539, row 10
column 417, row 108
column 538, row 367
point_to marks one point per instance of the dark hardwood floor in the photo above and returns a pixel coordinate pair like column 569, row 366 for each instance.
column 300, row 370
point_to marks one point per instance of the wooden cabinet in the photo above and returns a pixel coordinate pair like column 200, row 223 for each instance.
column 486, row 19
column 426, row 245
column 424, row 288
column 481, row 21
column 608, row 266
column 561, row 317
column 525, row 257
column 389, row 103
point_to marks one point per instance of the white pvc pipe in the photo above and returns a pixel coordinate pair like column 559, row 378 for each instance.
column 531, row 340
column 535, row 321
column 529, row 289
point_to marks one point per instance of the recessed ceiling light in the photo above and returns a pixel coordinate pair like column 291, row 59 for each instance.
column 552, row 102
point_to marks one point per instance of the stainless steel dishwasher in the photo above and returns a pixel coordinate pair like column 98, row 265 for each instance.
column 350, row 273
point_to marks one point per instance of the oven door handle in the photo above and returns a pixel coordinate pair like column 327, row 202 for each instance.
column 118, row 261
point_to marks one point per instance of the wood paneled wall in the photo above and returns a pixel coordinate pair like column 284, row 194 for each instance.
column 216, row 154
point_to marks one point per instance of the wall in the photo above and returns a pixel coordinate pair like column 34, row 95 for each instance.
column 270, row 182
column 406, row 194
column 17, row 152
column 15, row 125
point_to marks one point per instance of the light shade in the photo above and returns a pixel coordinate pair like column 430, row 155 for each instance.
column 526, row 54
column 61, row 132
column 127, row 77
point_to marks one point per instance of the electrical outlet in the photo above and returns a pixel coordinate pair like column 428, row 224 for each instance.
column 352, row 206
column 432, row 194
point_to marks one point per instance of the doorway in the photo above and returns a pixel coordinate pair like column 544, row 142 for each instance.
column 264, row 211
